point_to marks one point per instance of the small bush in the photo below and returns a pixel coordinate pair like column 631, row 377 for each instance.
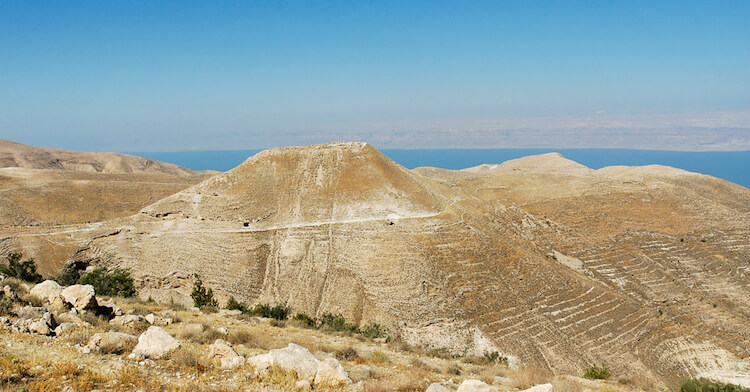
column 597, row 373
column 454, row 370
column 380, row 356
column 232, row 304
column 202, row 296
column 67, row 277
column 117, row 283
column 24, row 270
column 495, row 357
column 262, row 310
column 305, row 320
column 278, row 312
column 6, row 306
column 346, row 354
column 704, row 385
column 335, row 322
column 373, row 331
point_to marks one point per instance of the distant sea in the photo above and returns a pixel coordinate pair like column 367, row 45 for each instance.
column 733, row 166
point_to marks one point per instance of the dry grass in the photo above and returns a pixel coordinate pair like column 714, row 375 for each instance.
column 529, row 376
column 188, row 358
column 346, row 354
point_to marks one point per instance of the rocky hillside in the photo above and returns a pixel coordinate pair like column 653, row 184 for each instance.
column 548, row 262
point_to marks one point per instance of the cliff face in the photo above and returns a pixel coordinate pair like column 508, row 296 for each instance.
column 645, row 270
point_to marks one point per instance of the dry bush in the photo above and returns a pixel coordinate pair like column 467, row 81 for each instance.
column 277, row 323
column 207, row 336
column 454, row 370
column 187, row 359
column 242, row 336
column 529, row 376
column 419, row 364
column 346, row 354
column 379, row 356
column 562, row 384
column 488, row 373
column 33, row 300
column 97, row 322
column 280, row 377
column 114, row 348
column 78, row 335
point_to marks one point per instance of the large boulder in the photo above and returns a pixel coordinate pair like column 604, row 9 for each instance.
column 112, row 342
column 331, row 374
column 293, row 357
column 436, row 387
column 81, row 297
column 223, row 352
column 154, row 343
column 475, row 386
column 48, row 291
column 540, row 388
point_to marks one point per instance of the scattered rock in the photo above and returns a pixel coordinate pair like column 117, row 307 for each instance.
column 475, row 386
column 112, row 342
column 293, row 357
column 127, row 320
column 436, row 387
column 40, row 327
column 303, row 385
column 156, row 320
column 223, row 330
column 540, row 388
column 154, row 344
column 380, row 340
column 331, row 374
column 81, row 297
column 223, row 352
column 60, row 329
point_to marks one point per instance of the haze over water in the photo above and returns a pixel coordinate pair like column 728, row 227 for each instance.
column 732, row 166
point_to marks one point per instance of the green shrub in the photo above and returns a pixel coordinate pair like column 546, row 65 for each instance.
column 373, row 331
column 306, row 320
column 67, row 277
column 202, row 296
column 262, row 310
column 495, row 357
column 232, row 304
column 704, row 385
column 277, row 312
column 280, row 312
column 24, row 270
column 335, row 322
column 597, row 373
column 117, row 283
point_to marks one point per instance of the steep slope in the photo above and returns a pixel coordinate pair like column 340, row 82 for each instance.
column 20, row 155
column 644, row 272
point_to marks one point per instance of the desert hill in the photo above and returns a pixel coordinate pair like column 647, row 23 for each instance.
column 20, row 155
column 56, row 191
column 544, row 260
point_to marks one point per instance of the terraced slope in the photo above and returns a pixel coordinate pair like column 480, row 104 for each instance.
column 643, row 270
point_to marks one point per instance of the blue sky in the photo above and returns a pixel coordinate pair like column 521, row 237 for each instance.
column 166, row 76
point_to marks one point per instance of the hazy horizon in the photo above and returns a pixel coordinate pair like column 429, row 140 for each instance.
column 175, row 76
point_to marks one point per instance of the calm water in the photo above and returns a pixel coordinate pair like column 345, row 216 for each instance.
column 733, row 166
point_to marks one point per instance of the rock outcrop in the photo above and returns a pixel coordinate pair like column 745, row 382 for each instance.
column 112, row 342
column 81, row 297
column 227, row 357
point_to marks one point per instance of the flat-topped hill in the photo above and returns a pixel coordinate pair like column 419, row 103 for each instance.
column 344, row 182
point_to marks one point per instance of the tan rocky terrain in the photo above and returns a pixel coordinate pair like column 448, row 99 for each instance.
column 645, row 270
column 45, row 188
